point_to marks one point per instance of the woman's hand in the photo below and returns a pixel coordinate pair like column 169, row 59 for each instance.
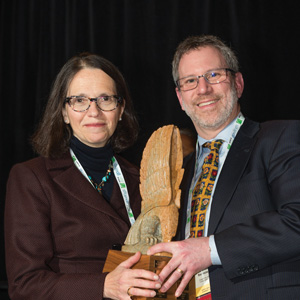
column 124, row 282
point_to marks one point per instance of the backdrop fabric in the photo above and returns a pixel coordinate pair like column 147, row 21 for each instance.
column 139, row 37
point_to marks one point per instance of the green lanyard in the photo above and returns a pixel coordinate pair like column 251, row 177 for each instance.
column 120, row 179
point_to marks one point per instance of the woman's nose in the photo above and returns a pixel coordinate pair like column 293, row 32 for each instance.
column 94, row 110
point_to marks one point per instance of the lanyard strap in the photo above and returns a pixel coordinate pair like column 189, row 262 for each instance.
column 123, row 187
column 120, row 179
column 238, row 123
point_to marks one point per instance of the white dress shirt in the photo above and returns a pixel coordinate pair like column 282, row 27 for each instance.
column 227, row 135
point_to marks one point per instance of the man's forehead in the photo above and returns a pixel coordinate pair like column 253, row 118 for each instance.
column 202, row 59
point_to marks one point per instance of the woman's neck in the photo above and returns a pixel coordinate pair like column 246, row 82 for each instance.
column 92, row 159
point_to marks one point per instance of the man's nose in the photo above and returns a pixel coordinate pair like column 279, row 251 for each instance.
column 203, row 86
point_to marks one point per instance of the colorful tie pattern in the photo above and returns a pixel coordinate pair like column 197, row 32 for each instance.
column 202, row 191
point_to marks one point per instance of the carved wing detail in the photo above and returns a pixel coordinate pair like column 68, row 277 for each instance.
column 160, row 175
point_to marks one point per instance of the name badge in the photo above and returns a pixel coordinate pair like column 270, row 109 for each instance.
column 203, row 291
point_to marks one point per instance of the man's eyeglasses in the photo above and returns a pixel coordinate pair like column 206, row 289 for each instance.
column 105, row 103
column 212, row 77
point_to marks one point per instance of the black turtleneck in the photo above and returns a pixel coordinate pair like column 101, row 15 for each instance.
column 95, row 162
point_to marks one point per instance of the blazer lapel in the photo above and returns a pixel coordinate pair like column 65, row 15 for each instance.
column 69, row 178
column 232, row 171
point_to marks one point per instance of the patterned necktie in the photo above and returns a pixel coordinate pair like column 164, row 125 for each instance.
column 202, row 191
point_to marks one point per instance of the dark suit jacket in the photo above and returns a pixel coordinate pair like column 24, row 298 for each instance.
column 255, row 214
column 58, row 229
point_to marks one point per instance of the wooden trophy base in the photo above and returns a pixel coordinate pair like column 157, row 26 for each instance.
column 153, row 263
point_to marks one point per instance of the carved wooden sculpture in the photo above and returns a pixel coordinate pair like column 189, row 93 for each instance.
column 161, row 175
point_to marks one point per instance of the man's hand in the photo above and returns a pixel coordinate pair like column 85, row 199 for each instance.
column 189, row 257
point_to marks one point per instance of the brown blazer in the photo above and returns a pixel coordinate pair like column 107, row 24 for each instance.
column 58, row 229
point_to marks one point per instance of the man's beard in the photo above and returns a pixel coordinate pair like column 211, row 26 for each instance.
column 221, row 118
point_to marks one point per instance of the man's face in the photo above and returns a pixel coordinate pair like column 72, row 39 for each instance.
column 211, row 107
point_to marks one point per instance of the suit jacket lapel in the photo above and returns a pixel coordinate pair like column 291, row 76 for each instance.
column 232, row 171
column 68, row 177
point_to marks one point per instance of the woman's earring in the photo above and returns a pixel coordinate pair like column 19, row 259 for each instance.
column 120, row 119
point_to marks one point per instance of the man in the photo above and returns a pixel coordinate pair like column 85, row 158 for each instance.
column 251, row 238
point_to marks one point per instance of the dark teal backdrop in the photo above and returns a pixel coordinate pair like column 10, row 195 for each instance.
column 139, row 36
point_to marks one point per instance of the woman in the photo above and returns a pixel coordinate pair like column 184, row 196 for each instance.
column 68, row 207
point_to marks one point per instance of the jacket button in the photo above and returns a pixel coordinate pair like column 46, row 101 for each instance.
column 241, row 271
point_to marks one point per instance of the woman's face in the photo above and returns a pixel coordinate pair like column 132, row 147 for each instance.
column 92, row 127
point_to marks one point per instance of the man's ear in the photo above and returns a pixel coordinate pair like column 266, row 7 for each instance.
column 239, row 84
column 179, row 96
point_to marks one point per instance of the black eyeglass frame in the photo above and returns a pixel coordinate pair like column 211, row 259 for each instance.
column 118, row 98
column 204, row 76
